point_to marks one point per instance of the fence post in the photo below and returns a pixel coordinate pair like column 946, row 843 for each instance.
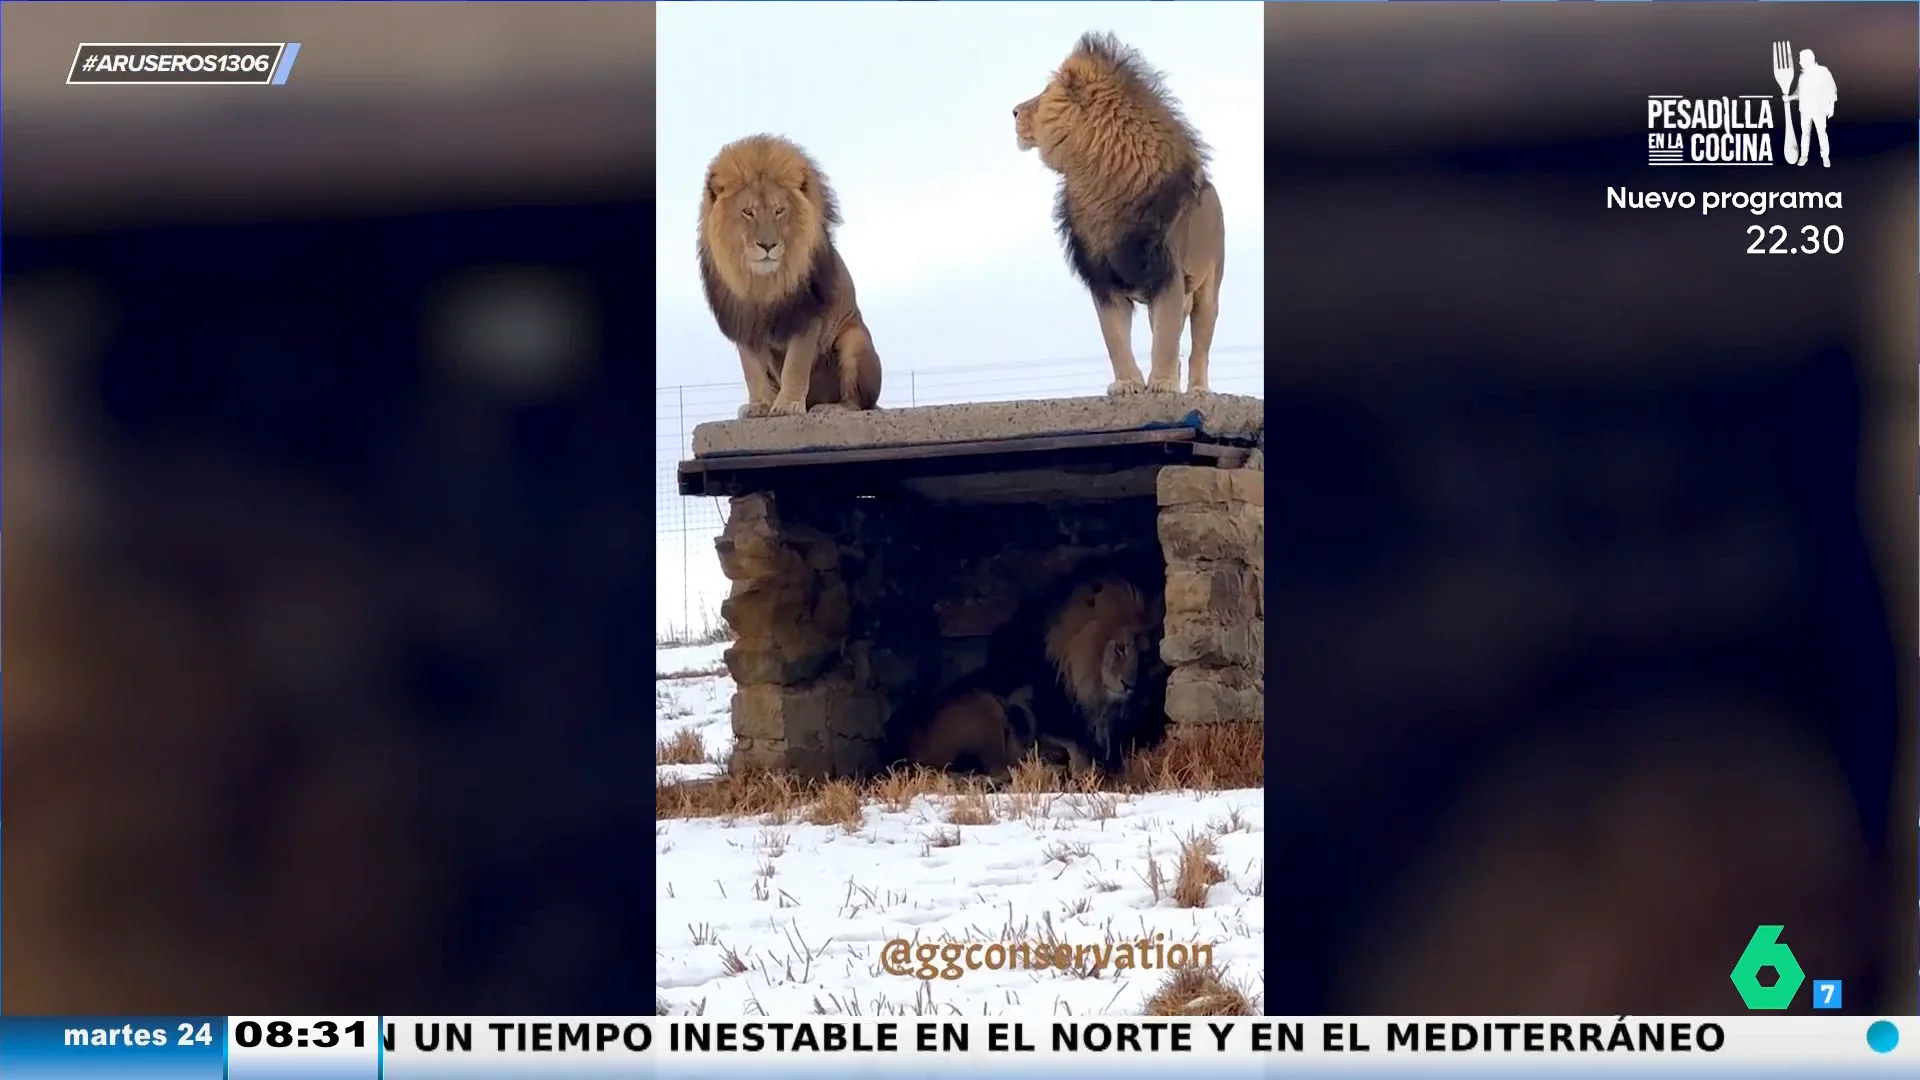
column 686, row 587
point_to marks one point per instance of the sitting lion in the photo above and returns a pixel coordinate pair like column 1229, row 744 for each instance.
column 1100, row 645
column 1140, row 221
column 777, row 286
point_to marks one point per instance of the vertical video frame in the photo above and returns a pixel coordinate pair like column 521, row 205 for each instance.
column 960, row 609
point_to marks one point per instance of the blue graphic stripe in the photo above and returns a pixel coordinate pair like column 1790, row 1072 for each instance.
column 106, row 1048
column 467, row 1067
column 268, row 1067
column 286, row 63
column 43, row 1068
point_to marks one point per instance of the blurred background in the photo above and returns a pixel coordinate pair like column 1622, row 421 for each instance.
column 1598, row 543
column 328, row 476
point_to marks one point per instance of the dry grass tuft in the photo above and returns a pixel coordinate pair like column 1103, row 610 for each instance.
column 943, row 838
column 897, row 788
column 744, row 794
column 838, row 802
column 1197, row 872
column 684, row 748
column 1259, row 886
column 1032, row 776
column 971, row 808
column 1155, row 879
column 1065, row 853
column 1234, row 822
column 1199, row 992
column 1216, row 757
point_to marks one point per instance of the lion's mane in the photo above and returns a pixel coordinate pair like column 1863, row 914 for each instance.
column 1095, row 614
column 1129, row 162
column 750, row 307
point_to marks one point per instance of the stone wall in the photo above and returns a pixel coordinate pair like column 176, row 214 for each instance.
column 1212, row 530
column 844, row 609
column 795, row 706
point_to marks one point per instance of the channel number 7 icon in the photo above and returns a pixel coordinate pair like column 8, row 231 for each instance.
column 1765, row 950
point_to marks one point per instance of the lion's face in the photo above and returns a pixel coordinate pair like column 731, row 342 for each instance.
column 764, row 215
column 1099, row 642
column 760, row 219
column 1041, row 123
column 1120, row 668
column 1023, row 124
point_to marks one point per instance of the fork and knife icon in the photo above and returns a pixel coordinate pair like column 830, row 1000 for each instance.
column 1783, row 74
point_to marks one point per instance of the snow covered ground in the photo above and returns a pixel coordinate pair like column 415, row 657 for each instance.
column 692, row 694
column 786, row 918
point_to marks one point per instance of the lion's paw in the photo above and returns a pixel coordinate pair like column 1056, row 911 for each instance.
column 1124, row 388
column 787, row 408
column 1163, row 386
column 753, row 409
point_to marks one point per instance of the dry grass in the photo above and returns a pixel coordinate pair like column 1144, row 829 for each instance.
column 1214, row 758
column 970, row 808
column 1259, row 886
column 839, row 803
column 684, row 748
column 750, row 794
column 943, row 838
column 1197, row 872
column 1199, row 992
column 897, row 788
column 705, row 627
column 1217, row 757
column 1154, row 879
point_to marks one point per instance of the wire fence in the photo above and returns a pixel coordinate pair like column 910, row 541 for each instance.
column 689, row 586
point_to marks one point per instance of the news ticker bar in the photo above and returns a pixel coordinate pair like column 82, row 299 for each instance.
column 203, row 64
column 417, row 1048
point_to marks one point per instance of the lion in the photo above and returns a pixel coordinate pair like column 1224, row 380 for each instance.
column 975, row 730
column 1139, row 219
column 1098, row 643
column 776, row 284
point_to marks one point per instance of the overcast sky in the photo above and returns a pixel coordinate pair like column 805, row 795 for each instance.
column 948, row 227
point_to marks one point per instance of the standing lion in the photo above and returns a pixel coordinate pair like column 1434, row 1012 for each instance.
column 1140, row 221
column 776, row 284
